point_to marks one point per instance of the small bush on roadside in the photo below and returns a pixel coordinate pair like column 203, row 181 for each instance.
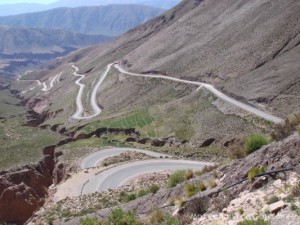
column 259, row 221
column 189, row 174
column 130, row 197
column 179, row 202
column 198, row 206
column 119, row 217
column 141, row 193
column 176, row 178
column 255, row 142
column 254, row 171
column 156, row 217
column 154, row 188
column 237, row 150
column 202, row 186
column 212, row 184
column 191, row 189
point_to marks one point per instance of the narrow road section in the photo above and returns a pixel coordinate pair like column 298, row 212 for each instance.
column 251, row 109
column 94, row 159
column 117, row 176
column 79, row 114
column 51, row 84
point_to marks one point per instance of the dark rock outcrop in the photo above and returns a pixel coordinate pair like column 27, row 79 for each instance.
column 208, row 142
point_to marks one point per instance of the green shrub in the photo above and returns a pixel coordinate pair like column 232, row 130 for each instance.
column 130, row 197
column 202, row 186
column 258, row 221
column 191, row 189
column 142, row 193
column 241, row 211
column 255, row 142
column 180, row 202
column 153, row 188
column 92, row 221
column 176, row 178
column 254, row 171
column 169, row 220
column 119, row 217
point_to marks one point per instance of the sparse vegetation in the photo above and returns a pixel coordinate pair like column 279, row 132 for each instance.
column 191, row 189
column 202, row 186
column 119, row 217
column 92, row 221
column 176, row 178
column 212, row 184
column 255, row 142
column 259, row 221
column 254, row 171
column 189, row 174
column 237, row 150
column 124, row 197
column 154, row 188
column 295, row 191
column 272, row 199
column 281, row 131
column 156, row 217
column 241, row 211
column 198, row 206
column 179, row 202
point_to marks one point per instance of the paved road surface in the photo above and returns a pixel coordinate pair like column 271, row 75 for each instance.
column 216, row 92
column 117, row 176
column 80, row 109
column 94, row 159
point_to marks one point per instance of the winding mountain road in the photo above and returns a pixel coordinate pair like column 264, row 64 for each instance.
column 51, row 84
column 251, row 109
column 119, row 175
column 94, row 159
column 80, row 109
column 44, row 84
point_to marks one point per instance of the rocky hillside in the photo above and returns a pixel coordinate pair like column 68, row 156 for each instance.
column 111, row 20
column 233, row 195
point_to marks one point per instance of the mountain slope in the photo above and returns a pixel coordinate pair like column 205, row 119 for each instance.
column 229, row 44
column 14, row 9
column 109, row 20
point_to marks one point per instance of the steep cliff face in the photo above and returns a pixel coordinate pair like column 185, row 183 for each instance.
column 22, row 191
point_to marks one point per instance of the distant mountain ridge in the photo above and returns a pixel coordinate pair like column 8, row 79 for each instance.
column 111, row 20
column 14, row 9
column 18, row 42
